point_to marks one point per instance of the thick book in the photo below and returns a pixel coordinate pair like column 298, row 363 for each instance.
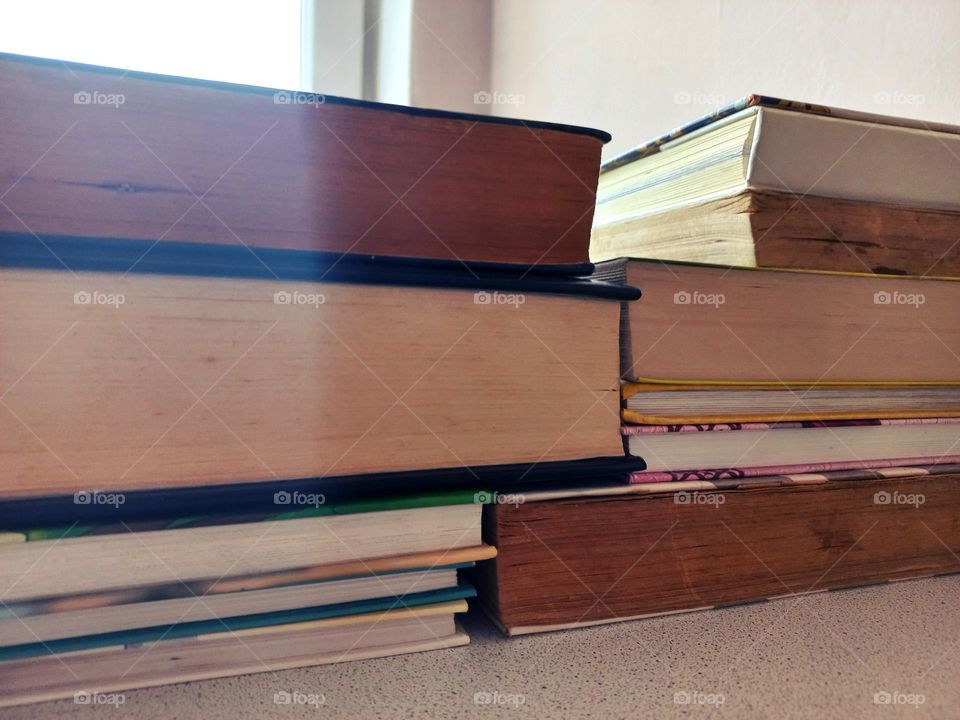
column 103, row 152
column 570, row 560
column 714, row 325
column 151, row 367
column 97, row 677
column 776, row 183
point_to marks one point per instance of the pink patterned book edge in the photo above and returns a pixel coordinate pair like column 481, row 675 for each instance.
column 628, row 430
column 852, row 470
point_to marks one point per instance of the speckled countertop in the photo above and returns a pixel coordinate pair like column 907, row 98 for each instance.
column 819, row 656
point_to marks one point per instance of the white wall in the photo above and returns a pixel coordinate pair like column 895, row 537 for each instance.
column 637, row 68
column 426, row 53
column 331, row 47
column 450, row 62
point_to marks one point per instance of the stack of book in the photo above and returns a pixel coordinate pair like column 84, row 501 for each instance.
column 767, row 182
column 269, row 357
column 262, row 359
column 101, row 608
column 800, row 426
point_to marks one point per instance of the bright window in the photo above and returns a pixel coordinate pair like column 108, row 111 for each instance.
column 256, row 43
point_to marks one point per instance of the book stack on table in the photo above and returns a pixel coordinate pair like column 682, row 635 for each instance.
column 279, row 369
column 265, row 358
column 799, row 424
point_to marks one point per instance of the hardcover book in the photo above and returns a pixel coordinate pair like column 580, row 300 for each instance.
column 183, row 364
column 165, row 159
column 714, row 325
